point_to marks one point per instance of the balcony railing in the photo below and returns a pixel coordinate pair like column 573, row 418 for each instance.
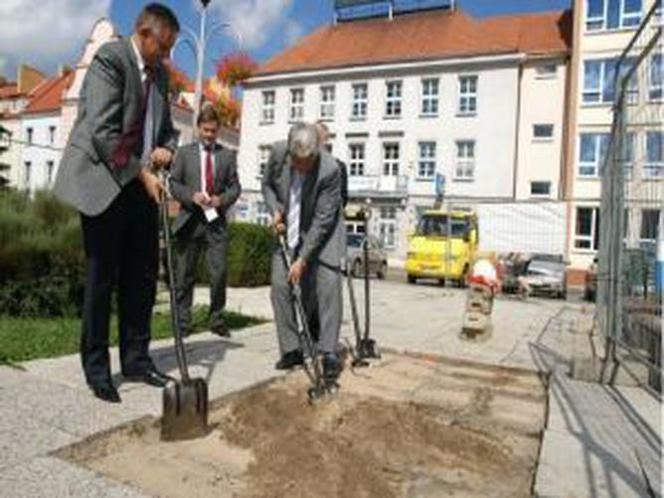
column 378, row 185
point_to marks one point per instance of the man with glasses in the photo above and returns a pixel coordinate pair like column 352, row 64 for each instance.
column 122, row 131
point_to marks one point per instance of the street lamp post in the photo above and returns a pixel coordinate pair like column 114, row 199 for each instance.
column 197, row 43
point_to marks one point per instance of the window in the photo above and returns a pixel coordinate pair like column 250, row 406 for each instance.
column 656, row 76
column 327, row 97
column 543, row 131
column 263, row 157
column 360, row 97
column 387, row 226
column 296, row 104
column 27, row 174
column 654, row 166
column 612, row 14
column 262, row 214
column 391, row 159
column 540, row 189
column 592, row 153
column 430, row 97
column 546, row 71
column 467, row 94
column 649, row 224
column 393, row 102
column 49, row 172
column 29, row 133
column 356, row 159
column 267, row 112
column 51, row 134
column 465, row 164
column 426, row 165
column 600, row 78
column 587, row 228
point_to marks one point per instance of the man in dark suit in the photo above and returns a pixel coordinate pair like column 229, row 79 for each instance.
column 205, row 182
column 123, row 126
column 302, row 190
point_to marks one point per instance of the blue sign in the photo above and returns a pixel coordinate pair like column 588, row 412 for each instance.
column 440, row 185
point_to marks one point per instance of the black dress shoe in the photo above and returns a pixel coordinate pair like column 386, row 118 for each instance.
column 152, row 377
column 105, row 392
column 290, row 360
column 221, row 330
column 331, row 368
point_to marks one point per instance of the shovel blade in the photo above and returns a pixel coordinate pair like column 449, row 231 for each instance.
column 185, row 410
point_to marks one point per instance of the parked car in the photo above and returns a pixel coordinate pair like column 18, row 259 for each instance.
column 590, row 284
column 355, row 255
column 546, row 274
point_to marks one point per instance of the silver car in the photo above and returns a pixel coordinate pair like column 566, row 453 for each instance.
column 355, row 255
column 547, row 275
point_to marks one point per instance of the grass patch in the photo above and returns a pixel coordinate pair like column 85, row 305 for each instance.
column 24, row 339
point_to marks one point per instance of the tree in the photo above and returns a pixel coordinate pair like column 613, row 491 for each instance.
column 232, row 71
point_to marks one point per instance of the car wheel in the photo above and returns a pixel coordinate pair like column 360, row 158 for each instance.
column 357, row 268
column 412, row 279
column 382, row 272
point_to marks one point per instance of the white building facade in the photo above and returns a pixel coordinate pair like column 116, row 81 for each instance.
column 401, row 127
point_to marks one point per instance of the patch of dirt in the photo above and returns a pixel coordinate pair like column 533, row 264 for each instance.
column 405, row 428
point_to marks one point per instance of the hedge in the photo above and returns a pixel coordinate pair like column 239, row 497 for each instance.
column 42, row 260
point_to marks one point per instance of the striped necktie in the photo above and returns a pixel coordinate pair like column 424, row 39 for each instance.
column 294, row 208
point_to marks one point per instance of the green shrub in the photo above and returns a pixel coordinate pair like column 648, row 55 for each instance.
column 41, row 256
column 249, row 255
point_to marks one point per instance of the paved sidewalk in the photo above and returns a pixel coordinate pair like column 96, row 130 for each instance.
column 46, row 405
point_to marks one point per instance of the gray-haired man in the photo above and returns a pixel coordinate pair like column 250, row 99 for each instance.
column 302, row 190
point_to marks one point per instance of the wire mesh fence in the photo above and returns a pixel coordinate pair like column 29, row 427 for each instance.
column 629, row 300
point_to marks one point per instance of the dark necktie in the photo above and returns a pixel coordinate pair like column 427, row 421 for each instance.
column 209, row 171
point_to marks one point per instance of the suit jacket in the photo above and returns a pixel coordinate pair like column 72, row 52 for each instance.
column 111, row 103
column 321, row 217
column 186, row 181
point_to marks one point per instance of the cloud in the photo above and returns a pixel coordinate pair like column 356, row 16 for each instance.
column 46, row 33
column 256, row 20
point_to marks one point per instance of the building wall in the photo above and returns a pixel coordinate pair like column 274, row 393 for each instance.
column 542, row 103
column 12, row 156
column 594, row 118
column 42, row 151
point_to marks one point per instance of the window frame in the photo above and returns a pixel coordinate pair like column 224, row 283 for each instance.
column 426, row 163
column 327, row 105
column 465, row 162
column 268, row 106
column 393, row 107
column 593, row 238
column 626, row 20
column 391, row 165
column 466, row 95
column 543, row 138
column 296, row 109
column 653, row 162
column 356, row 165
column 360, row 101
column 546, row 195
column 598, row 161
column 430, row 97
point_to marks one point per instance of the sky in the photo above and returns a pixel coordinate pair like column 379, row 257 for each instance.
column 50, row 33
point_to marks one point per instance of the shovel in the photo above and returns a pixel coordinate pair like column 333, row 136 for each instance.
column 185, row 402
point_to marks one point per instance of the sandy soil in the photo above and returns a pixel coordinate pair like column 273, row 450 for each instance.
column 406, row 427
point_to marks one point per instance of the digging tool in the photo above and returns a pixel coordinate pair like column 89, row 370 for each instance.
column 185, row 401
column 312, row 365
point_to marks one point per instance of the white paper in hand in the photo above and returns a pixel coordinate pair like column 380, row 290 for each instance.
column 211, row 214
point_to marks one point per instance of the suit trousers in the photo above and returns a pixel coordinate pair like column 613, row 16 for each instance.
column 121, row 250
column 322, row 300
column 194, row 237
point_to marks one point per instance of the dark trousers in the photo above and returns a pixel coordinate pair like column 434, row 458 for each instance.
column 194, row 237
column 121, row 250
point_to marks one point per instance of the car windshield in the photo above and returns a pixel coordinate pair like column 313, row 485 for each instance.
column 437, row 226
column 354, row 240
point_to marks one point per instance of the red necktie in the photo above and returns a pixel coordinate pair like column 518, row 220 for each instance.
column 209, row 172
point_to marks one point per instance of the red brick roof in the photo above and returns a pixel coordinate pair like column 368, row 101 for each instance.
column 48, row 96
column 423, row 36
column 9, row 90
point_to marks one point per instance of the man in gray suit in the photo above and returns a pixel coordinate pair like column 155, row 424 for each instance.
column 123, row 126
column 205, row 182
column 302, row 190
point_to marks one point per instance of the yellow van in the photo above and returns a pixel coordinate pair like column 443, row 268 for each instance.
column 443, row 246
